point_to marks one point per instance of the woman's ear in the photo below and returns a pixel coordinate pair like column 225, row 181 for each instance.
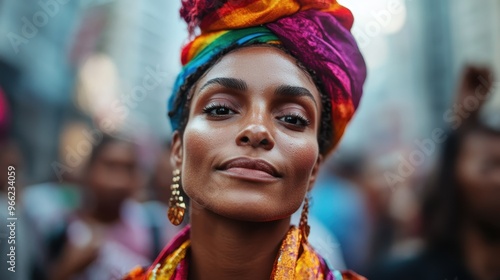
column 314, row 173
column 176, row 150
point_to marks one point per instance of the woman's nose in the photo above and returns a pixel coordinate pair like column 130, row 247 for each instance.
column 256, row 135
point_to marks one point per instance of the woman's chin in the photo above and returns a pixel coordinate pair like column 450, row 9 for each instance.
column 246, row 204
column 251, row 212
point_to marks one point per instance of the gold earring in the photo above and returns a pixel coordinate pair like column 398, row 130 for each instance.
column 303, row 225
column 177, row 206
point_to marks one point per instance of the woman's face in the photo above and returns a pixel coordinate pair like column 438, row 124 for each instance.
column 250, row 150
column 114, row 175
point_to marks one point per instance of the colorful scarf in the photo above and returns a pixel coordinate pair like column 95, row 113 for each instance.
column 316, row 32
column 295, row 260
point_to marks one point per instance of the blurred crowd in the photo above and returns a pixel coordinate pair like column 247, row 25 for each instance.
column 96, row 222
column 442, row 224
column 106, row 213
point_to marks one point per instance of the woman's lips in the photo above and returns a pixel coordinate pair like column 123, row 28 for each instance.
column 250, row 169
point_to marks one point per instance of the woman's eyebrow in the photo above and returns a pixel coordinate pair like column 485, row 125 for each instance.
column 241, row 85
column 294, row 91
column 231, row 83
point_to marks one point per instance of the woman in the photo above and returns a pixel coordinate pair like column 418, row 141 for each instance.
column 265, row 93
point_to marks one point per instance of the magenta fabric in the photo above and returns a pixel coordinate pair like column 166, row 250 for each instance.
column 4, row 115
column 332, row 50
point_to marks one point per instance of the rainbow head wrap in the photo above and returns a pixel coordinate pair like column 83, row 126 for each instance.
column 316, row 32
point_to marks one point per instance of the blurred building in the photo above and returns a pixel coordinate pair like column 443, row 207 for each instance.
column 47, row 43
column 34, row 45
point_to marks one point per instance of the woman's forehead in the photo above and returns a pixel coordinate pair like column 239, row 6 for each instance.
column 260, row 67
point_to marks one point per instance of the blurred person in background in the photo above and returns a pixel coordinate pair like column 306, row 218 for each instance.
column 161, row 178
column 339, row 204
column 51, row 203
column 353, row 200
column 111, row 231
column 461, row 206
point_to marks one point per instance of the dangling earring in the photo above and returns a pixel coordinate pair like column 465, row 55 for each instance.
column 303, row 225
column 177, row 206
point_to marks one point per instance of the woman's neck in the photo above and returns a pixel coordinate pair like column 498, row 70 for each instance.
column 223, row 248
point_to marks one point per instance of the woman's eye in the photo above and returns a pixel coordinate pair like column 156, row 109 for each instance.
column 218, row 110
column 296, row 120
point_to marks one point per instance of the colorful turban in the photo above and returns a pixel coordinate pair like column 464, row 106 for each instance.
column 316, row 32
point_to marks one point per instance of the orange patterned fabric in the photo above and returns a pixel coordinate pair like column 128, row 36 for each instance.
column 241, row 14
column 295, row 260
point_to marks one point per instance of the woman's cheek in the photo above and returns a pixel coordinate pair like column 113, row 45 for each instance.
column 302, row 154
column 197, row 135
column 204, row 142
